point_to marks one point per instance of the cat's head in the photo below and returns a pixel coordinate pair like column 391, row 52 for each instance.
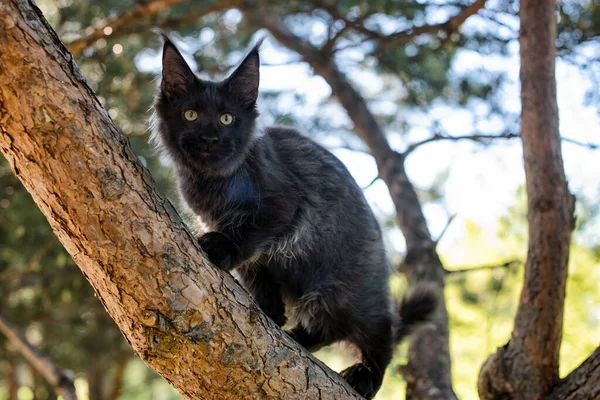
column 205, row 126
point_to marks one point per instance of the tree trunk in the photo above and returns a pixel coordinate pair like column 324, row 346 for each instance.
column 95, row 383
column 184, row 318
column 117, row 382
column 428, row 373
column 527, row 367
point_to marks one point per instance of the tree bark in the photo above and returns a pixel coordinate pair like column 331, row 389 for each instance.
column 187, row 320
column 527, row 367
column 428, row 373
column 60, row 382
column 95, row 383
column 117, row 382
column 582, row 383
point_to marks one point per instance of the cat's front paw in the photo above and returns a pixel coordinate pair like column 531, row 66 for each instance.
column 363, row 380
column 221, row 251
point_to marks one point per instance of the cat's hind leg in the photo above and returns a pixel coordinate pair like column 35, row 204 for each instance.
column 376, row 344
column 259, row 281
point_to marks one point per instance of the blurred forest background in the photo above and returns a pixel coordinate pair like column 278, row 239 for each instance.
column 438, row 93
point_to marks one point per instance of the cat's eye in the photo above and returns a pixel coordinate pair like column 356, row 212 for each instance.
column 190, row 115
column 226, row 119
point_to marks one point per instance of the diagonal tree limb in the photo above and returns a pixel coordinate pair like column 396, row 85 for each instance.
column 451, row 25
column 173, row 23
column 443, row 232
column 187, row 320
column 61, row 382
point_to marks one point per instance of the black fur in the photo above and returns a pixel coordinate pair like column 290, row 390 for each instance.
column 286, row 214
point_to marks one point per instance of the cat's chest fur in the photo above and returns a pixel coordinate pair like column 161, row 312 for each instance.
column 220, row 201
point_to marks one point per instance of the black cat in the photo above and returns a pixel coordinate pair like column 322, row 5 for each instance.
column 286, row 214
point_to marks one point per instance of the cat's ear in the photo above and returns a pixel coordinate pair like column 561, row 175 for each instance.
column 243, row 82
column 176, row 73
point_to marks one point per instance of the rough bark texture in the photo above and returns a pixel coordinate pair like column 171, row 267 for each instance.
column 582, row 383
column 60, row 382
column 527, row 367
column 428, row 372
column 184, row 318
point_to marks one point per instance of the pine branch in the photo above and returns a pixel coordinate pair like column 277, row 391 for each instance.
column 507, row 264
column 451, row 25
column 114, row 25
column 485, row 139
column 475, row 138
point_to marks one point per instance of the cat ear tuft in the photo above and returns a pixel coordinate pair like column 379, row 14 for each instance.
column 243, row 82
column 176, row 73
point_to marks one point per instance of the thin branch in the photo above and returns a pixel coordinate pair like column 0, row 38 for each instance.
column 486, row 138
column 591, row 146
column 142, row 10
column 445, row 228
column 372, row 182
column 60, row 381
column 351, row 148
column 330, row 44
column 18, row 276
column 451, row 25
column 476, row 138
column 507, row 264
column 173, row 23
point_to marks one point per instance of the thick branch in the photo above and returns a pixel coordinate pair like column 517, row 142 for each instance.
column 428, row 371
column 527, row 367
column 582, row 382
column 187, row 320
column 60, row 382
column 141, row 11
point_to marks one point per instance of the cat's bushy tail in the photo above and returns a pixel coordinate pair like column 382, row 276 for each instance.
column 417, row 307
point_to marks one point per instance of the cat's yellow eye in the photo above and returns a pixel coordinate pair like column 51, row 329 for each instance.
column 226, row 119
column 190, row 115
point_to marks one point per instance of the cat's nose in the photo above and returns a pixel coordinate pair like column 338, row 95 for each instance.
column 210, row 141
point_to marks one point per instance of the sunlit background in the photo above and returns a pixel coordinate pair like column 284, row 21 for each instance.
column 472, row 191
